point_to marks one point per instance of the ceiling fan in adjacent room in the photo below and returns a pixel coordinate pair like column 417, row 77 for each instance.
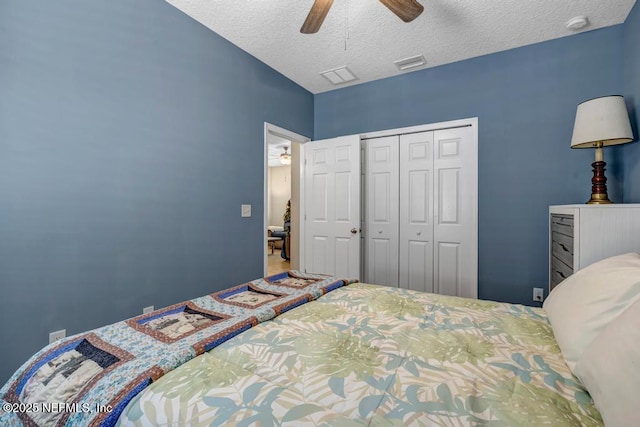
column 407, row 10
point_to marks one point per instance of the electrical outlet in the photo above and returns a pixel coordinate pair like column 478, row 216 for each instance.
column 57, row 335
column 147, row 309
column 538, row 294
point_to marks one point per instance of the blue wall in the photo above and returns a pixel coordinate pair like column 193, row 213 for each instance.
column 525, row 100
column 129, row 137
column 631, row 82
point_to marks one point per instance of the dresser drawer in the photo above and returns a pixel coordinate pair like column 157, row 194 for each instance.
column 562, row 224
column 562, row 247
column 559, row 271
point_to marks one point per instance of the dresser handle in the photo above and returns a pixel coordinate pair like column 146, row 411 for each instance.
column 562, row 275
column 564, row 248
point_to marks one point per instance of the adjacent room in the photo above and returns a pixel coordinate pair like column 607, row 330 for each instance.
column 393, row 212
column 278, row 204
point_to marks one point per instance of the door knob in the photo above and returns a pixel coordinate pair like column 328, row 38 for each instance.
column 354, row 230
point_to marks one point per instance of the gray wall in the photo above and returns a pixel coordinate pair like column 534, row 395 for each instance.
column 631, row 82
column 525, row 100
column 129, row 137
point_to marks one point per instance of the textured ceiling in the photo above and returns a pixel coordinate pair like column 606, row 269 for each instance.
column 366, row 37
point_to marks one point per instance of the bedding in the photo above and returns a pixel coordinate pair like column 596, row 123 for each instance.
column 581, row 306
column 296, row 349
column 87, row 379
column 610, row 368
column 371, row 355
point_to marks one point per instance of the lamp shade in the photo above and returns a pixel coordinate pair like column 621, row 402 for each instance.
column 601, row 120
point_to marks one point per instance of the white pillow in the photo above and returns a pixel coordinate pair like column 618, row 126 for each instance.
column 610, row 369
column 584, row 304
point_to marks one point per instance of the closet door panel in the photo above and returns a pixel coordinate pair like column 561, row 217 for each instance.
column 455, row 174
column 416, row 211
column 381, row 256
column 381, row 234
column 448, row 196
column 448, row 269
column 419, row 256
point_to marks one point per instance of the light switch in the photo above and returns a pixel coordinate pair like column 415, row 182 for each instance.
column 246, row 211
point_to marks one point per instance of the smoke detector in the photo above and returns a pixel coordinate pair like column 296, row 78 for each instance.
column 577, row 23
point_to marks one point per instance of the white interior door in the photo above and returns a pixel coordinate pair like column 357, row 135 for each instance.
column 416, row 211
column 455, row 204
column 332, row 207
column 381, row 219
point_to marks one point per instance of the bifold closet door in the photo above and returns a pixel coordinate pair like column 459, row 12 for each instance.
column 381, row 207
column 416, row 212
column 455, row 263
column 420, row 211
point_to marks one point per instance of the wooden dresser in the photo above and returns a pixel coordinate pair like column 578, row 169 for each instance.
column 580, row 235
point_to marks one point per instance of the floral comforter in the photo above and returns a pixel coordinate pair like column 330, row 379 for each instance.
column 370, row 355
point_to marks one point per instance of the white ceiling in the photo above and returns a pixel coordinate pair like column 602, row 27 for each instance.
column 366, row 37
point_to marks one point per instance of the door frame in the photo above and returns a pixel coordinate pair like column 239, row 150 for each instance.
column 472, row 121
column 271, row 129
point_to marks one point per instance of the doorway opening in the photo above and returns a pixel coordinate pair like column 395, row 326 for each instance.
column 282, row 198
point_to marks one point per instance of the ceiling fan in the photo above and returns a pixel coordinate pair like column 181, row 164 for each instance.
column 407, row 10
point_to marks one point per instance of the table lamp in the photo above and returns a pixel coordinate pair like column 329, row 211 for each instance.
column 601, row 122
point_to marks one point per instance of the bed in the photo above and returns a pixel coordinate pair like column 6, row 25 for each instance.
column 313, row 350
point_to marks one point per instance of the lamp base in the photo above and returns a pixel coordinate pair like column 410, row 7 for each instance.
column 599, row 199
column 599, row 185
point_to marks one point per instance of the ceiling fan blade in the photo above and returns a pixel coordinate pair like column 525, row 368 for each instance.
column 407, row 10
column 316, row 16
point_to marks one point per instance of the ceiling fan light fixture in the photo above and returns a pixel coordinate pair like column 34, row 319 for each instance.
column 407, row 10
column 410, row 63
column 285, row 158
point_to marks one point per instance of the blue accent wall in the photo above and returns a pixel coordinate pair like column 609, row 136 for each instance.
column 631, row 83
column 525, row 100
column 129, row 137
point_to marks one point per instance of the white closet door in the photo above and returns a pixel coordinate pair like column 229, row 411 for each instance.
column 332, row 206
column 455, row 205
column 416, row 211
column 381, row 208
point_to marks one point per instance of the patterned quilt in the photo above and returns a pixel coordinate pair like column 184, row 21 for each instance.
column 370, row 355
column 89, row 378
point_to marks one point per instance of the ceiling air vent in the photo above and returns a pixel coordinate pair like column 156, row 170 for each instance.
column 409, row 63
column 338, row 76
